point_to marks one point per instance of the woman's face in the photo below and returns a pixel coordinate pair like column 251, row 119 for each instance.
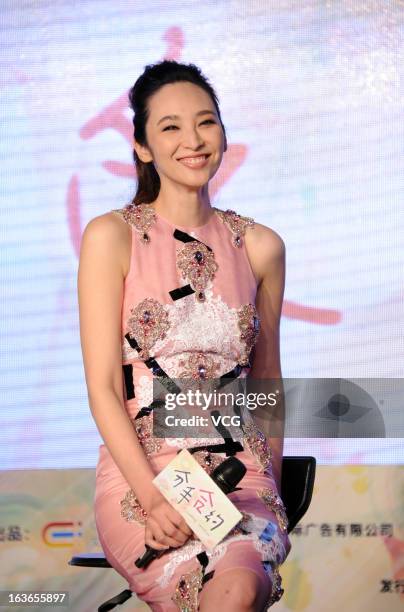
column 192, row 131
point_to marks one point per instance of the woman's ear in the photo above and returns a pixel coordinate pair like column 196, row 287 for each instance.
column 142, row 152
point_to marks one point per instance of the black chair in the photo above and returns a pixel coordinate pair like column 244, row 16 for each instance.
column 297, row 484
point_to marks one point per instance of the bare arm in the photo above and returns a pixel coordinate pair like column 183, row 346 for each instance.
column 267, row 255
column 104, row 249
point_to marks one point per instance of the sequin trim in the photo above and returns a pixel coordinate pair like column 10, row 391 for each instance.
column 197, row 265
column 147, row 324
column 274, row 502
column 277, row 590
column 249, row 324
column 237, row 224
column 139, row 216
column 131, row 510
column 144, row 431
column 257, row 444
column 187, row 590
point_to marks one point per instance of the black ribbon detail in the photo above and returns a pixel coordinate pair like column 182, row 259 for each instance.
column 231, row 375
column 184, row 237
column 207, row 576
column 146, row 410
column 156, row 369
column 224, row 432
column 177, row 294
column 204, row 560
column 132, row 342
column 230, row 446
column 128, row 378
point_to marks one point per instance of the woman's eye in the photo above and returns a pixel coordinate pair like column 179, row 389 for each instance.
column 168, row 127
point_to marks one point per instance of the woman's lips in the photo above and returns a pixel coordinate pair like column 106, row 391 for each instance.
column 194, row 162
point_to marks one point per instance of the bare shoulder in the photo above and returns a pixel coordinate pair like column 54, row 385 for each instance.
column 108, row 234
column 266, row 250
column 108, row 226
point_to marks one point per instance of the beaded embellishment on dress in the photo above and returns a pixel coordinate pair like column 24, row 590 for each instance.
column 187, row 589
column 144, row 431
column 237, row 223
column 257, row 444
column 249, row 324
column 140, row 216
column 277, row 591
column 198, row 266
column 148, row 323
column 199, row 366
column 131, row 510
column 274, row 502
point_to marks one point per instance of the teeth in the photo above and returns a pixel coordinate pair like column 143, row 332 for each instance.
column 194, row 160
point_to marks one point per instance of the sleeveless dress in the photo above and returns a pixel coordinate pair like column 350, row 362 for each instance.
column 189, row 311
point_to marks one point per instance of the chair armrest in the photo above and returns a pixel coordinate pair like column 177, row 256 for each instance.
column 90, row 560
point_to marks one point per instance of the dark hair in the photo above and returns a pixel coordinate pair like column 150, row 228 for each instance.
column 154, row 77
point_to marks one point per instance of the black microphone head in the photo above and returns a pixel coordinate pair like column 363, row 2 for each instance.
column 228, row 474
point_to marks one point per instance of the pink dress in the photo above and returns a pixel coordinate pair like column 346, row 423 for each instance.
column 189, row 311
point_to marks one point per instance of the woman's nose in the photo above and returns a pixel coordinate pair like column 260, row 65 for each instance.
column 192, row 138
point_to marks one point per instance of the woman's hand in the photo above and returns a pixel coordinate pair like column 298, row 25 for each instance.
column 165, row 527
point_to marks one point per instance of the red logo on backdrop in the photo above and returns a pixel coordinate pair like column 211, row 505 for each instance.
column 113, row 117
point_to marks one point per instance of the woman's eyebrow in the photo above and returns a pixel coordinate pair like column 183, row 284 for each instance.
column 202, row 112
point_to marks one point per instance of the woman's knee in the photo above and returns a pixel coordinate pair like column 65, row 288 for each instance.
column 236, row 589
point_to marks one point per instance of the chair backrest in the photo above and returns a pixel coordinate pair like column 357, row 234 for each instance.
column 297, row 485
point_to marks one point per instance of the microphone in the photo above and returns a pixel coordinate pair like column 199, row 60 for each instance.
column 226, row 475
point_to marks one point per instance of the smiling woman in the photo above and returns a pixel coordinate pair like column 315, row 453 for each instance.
column 190, row 135
column 169, row 281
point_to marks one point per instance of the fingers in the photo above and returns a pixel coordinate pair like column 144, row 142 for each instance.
column 173, row 535
column 154, row 538
column 163, row 541
column 183, row 528
column 166, row 534
column 150, row 541
column 165, row 527
column 179, row 522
